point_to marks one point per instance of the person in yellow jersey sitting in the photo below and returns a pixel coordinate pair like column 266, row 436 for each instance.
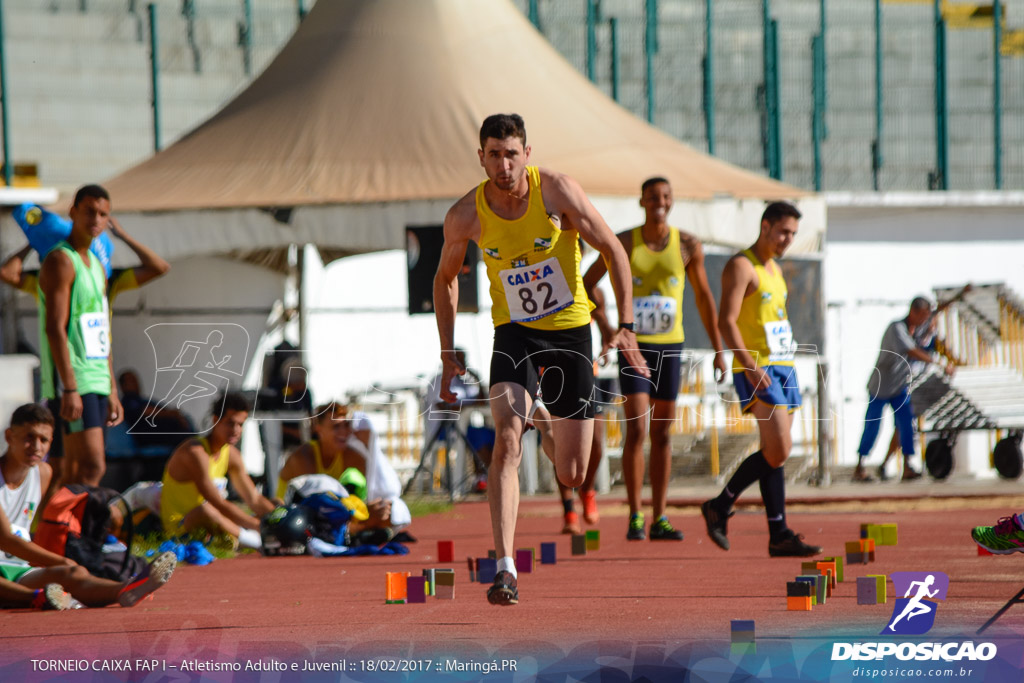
column 526, row 221
column 196, row 476
column 659, row 255
column 754, row 323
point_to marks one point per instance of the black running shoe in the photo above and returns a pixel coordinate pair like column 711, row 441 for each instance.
column 662, row 530
column 716, row 523
column 505, row 590
column 792, row 546
column 635, row 532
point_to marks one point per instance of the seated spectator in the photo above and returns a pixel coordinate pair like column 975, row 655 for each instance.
column 168, row 424
column 334, row 451
column 196, row 476
column 31, row 575
column 382, row 481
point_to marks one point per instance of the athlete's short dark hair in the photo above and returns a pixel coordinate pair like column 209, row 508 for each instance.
column 94, row 191
column 776, row 211
column 653, row 181
column 233, row 401
column 920, row 303
column 501, row 126
column 31, row 414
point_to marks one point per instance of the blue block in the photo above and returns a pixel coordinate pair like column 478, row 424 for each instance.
column 742, row 624
column 547, row 553
column 487, row 569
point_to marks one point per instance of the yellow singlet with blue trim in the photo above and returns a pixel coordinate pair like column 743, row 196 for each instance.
column 532, row 265
column 335, row 471
column 658, row 285
column 763, row 322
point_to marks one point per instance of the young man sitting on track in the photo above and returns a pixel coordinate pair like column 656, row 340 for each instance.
column 23, row 478
column 196, row 476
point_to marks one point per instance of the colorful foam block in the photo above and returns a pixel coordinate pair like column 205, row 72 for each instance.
column 856, row 558
column 429, row 574
column 740, row 649
column 742, row 637
column 524, row 560
column 486, row 569
column 872, row 531
column 547, row 553
column 809, row 567
column 823, row 593
column 395, row 588
column 830, row 569
column 867, row 547
column 593, row 537
column 799, row 589
column 839, row 566
column 798, row 604
column 445, row 589
column 472, row 568
column 446, row 551
column 890, row 534
column 813, row 581
column 867, row 591
column 880, row 592
column 742, row 625
column 853, row 546
column 579, row 544
column 416, row 589
column 492, row 554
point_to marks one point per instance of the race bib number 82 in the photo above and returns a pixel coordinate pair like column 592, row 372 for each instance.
column 535, row 291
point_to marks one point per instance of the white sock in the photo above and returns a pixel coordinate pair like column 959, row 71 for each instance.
column 249, row 538
column 507, row 564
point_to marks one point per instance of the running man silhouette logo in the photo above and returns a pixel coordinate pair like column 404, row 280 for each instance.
column 914, row 613
column 194, row 362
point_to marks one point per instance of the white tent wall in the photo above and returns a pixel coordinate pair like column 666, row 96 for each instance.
column 883, row 250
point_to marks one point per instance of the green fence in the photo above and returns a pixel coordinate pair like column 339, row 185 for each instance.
column 824, row 94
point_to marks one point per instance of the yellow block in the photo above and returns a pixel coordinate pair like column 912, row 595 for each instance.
column 879, row 587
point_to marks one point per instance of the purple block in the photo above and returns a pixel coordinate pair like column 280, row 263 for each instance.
column 867, row 590
column 524, row 560
column 547, row 553
column 416, row 589
column 486, row 569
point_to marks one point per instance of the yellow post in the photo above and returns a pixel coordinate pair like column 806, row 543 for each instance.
column 715, row 464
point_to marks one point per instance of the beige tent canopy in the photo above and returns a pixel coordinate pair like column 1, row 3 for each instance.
column 367, row 121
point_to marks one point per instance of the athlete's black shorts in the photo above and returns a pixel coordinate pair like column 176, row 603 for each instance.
column 94, row 414
column 567, row 386
column 665, row 363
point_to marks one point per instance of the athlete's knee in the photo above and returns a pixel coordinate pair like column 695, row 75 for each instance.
column 571, row 474
column 775, row 455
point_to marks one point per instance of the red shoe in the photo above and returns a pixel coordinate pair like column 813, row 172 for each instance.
column 590, row 514
column 572, row 524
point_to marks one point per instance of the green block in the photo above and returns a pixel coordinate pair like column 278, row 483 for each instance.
column 742, row 636
column 394, row 602
column 593, row 539
column 822, row 593
column 743, row 648
column 889, row 535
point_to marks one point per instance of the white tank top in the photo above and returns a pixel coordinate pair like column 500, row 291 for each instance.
column 20, row 505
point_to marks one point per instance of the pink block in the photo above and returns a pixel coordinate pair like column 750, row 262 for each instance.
column 416, row 589
column 524, row 561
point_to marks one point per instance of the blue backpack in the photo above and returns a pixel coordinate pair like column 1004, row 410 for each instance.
column 44, row 229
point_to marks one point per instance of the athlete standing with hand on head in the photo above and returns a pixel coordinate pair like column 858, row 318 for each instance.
column 526, row 221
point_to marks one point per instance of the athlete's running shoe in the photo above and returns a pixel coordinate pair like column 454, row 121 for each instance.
column 159, row 573
column 590, row 514
column 1002, row 539
column 662, row 530
column 572, row 524
column 505, row 590
column 792, row 545
column 635, row 532
column 52, row 597
column 716, row 523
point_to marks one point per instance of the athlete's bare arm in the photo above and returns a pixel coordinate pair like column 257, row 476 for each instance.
column 692, row 252
column 566, row 198
column 55, row 279
column 460, row 226
column 739, row 280
column 191, row 463
column 590, row 279
column 152, row 265
column 243, row 483
column 12, row 270
column 300, row 462
column 35, row 555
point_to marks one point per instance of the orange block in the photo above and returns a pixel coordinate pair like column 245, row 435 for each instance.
column 831, row 567
column 397, row 589
column 867, row 545
column 802, row 604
